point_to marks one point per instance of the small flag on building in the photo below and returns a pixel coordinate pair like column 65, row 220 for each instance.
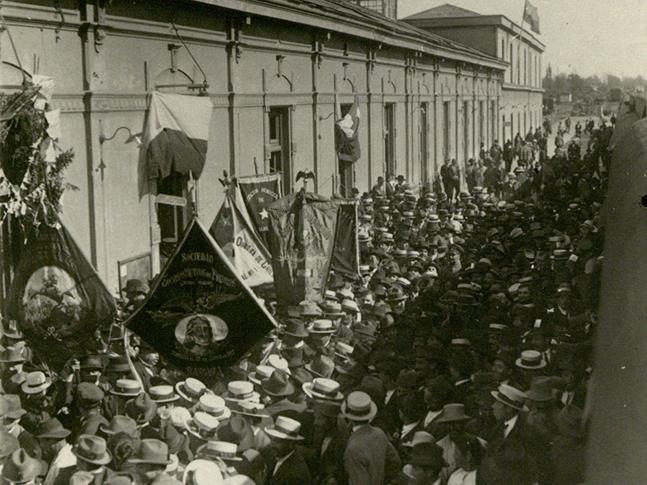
column 234, row 233
column 347, row 134
column 176, row 134
column 531, row 15
column 200, row 314
column 58, row 298
column 259, row 191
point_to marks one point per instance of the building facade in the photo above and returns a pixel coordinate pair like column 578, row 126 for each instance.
column 520, row 106
column 274, row 73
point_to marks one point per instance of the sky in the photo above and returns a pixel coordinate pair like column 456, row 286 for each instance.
column 582, row 36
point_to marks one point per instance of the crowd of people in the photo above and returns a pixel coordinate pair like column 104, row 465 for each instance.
column 462, row 355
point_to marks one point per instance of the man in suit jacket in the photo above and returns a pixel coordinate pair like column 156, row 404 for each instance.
column 288, row 466
column 511, row 453
column 370, row 458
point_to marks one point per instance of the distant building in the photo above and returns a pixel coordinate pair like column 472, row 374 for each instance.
column 521, row 96
column 565, row 98
column 388, row 8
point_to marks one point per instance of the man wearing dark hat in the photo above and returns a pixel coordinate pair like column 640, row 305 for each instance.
column 86, row 410
column 329, row 442
column 92, row 456
column 425, row 465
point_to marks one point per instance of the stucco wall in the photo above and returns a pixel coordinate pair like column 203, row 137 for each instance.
column 103, row 78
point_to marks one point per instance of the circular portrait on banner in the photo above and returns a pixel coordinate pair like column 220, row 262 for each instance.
column 199, row 334
column 51, row 301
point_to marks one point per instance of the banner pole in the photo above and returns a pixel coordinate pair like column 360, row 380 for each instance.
column 130, row 362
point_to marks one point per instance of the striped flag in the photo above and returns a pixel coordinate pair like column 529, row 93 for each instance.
column 531, row 15
column 176, row 134
column 346, row 134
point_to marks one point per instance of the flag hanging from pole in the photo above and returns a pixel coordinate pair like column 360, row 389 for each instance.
column 234, row 232
column 200, row 313
column 347, row 134
column 258, row 192
column 176, row 134
column 345, row 258
column 302, row 233
column 531, row 15
column 57, row 297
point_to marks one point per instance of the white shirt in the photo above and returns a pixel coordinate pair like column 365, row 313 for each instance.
column 431, row 415
column 64, row 459
column 461, row 477
column 280, row 462
column 509, row 424
column 567, row 397
column 407, row 428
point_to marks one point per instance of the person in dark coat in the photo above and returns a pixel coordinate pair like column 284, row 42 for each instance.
column 369, row 458
column 510, row 454
column 287, row 465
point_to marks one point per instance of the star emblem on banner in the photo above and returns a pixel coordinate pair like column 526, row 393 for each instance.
column 264, row 214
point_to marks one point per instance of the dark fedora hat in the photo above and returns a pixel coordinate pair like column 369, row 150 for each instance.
column 278, row 385
column 53, row 429
column 295, row 328
column 92, row 449
column 19, row 467
column 427, row 455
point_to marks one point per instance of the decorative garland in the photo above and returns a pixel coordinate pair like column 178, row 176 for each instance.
column 32, row 186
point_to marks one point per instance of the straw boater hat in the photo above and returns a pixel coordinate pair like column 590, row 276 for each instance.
column 35, row 382
column 203, row 425
column 219, row 449
column 249, row 408
column 452, row 413
column 325, row 389
column 322, row 326
column 12, row 331
column 240, row 391
column 162, row 394
column 191, row 389
column 511, row 397
column 332, row 309
column 92, row 449
column 531, row 359
column 358, row 406
column 202, row 472
column 285, row 429
column 126, row 388
column 214, row 405
column 278, row 363
column 261, row 373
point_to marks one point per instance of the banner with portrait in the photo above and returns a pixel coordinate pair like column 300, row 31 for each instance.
column 200, row 314
column 57, row 298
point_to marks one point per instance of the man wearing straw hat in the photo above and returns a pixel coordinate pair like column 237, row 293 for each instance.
column 370, row 458
column 288, row 466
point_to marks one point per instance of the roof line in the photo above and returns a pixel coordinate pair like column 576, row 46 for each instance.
column 350, row 22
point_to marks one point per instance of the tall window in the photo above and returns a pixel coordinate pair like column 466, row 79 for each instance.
column 389, row 138
column 172, row 210
column 345, row 168
column 503, row 49
column 493, row 114
column 279, row 145
column 466, row 130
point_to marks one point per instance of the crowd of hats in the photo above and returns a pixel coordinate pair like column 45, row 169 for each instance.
column 458, row 305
